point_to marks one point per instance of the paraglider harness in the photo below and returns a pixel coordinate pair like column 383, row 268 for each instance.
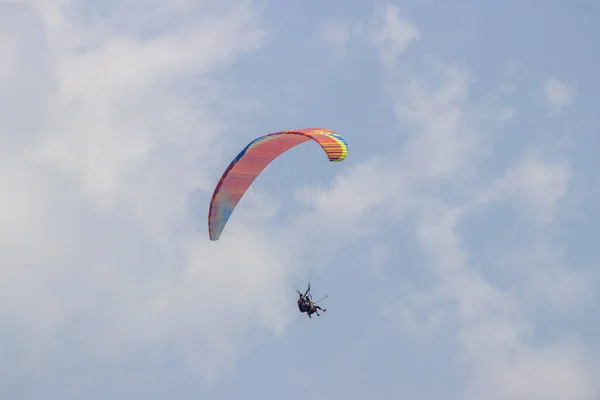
column 306, row 305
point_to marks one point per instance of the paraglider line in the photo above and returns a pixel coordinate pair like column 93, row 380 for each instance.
column 321, row 299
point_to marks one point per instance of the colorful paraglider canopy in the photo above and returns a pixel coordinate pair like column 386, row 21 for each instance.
column 253, row 159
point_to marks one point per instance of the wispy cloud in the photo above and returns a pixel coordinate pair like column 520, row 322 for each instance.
column 559, row 94
column 447, row 141
column 98, row 248
column 539, row 183
column 391, row 32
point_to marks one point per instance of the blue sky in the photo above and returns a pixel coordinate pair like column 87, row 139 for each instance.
column 456, row 242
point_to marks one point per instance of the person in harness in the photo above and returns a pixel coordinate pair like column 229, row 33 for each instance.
column 306, row 305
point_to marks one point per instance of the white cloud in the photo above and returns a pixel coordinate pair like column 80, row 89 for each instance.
column 511, row 370
column 446, row 140
column 551, row 282
column 543, row 275
column 387, row 30
column 392, row 33
column 225, row 288
column 559, row 94
column 121, row 104
column 442, row 142
column 535, row 181
column 99, row 258
column 359, row 190
column 442, row 138
column 494, row 330
column 494, row 327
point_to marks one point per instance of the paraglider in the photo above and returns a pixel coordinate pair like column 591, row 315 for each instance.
column 306, row 305
column 253, row 159
column 248, row 165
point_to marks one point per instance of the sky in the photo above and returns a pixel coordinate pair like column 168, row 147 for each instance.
column 456, row 243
